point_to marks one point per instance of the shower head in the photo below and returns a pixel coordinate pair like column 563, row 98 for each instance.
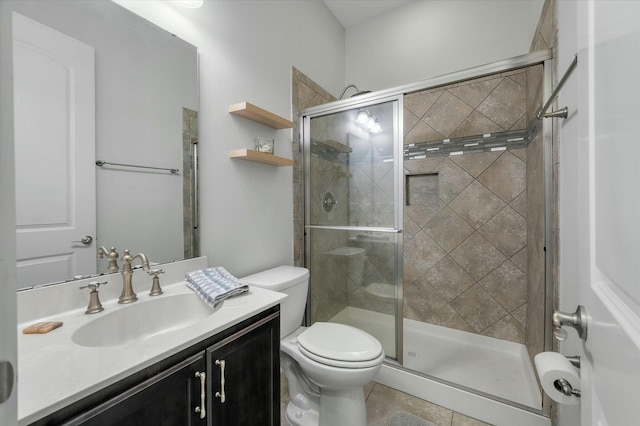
column 358, row 92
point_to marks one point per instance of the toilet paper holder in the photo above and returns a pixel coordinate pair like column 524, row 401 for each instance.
column 577, row 320
column 565, row 387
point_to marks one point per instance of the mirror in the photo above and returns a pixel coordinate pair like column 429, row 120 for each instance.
column 145, row 114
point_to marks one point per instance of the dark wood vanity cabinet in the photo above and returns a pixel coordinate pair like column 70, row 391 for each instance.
column 244, row 375
column 172, row 392
column 169, row 398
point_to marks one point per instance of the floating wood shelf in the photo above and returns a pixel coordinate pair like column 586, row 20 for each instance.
column 259, row 115
column 259, row 157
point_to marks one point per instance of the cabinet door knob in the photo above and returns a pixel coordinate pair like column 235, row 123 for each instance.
column 220, row 394
column 203, row 396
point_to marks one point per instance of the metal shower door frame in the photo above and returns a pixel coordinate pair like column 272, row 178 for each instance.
column 540, row 57
column 398, row 173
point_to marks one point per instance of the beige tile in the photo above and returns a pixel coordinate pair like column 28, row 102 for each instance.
column 421, row 300
column 519, row 77
column 548, row 26
column 478, row 308
column 475, row 92
column 476, row 124
column 424, row 165
column 476, row 163
column 508, row 329
column 520, row 259
column 477, row 256
column 521, row 153
column 448, row 229
column 520, row 314
column 447, row 278
column 462, row 420
column 368, row 388
column 422, row 190
column 409, row 227
column 519, row 204
column 420, row 102
column 521, row 124
column 422, row 251
column 476, row 204
column 507, row 231
column 453, row 180
column 305, row 95
column 507, row 285
column 421, row 215
column 409, row 120
column 447, row 113
column 506, row 177
column 449, row 317
column 422, row 132
column 384, row 401
column 534, row 90
column 410, row 273
column 506, row 104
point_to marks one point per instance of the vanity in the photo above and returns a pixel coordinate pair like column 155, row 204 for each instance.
column 167, row 359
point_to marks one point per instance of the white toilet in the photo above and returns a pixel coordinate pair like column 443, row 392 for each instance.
column 326, row 364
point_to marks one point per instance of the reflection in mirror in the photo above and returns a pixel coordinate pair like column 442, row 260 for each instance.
column 95, row 82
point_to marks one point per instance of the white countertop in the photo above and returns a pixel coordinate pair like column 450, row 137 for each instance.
column 54, row 372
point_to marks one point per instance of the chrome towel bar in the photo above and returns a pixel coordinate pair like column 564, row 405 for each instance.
column 105, row 163
column 563, row 112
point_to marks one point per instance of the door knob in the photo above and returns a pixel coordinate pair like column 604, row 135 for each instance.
column 577, row 320
column 86, row 240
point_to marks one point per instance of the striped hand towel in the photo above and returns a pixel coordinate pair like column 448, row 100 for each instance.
column 213, row 285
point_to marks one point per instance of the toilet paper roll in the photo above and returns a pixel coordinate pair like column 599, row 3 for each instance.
column 552, row 366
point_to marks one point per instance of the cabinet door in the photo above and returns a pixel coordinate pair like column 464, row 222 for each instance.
column 244, row 372
column 167, row 399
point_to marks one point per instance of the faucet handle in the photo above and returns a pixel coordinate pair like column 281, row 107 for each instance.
column 93, row 285
column 94, row 301
column 155, row 288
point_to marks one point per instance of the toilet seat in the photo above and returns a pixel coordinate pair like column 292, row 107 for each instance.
column 340, row 345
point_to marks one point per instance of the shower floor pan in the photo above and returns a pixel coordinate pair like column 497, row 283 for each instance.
column 492, row 366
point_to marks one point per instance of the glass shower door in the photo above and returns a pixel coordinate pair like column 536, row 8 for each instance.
column 352, row 220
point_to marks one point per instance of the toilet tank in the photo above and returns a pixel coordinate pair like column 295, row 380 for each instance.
column 294, row 282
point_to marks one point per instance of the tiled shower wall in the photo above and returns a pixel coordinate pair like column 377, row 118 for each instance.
column 465, row 234
column 465, row 255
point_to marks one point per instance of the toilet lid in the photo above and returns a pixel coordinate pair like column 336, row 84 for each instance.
column 339, row 342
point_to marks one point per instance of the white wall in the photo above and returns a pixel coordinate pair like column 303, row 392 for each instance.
column 246, row 51
column 428, row 38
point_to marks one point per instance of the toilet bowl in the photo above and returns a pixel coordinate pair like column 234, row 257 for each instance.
column 326, row 364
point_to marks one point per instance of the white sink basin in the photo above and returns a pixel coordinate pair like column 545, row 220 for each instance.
column 143, row 319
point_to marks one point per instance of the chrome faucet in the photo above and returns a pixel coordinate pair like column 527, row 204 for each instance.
column 128, row 295
column 112, row 257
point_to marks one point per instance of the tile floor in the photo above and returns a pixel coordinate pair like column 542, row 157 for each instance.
column 383, row 402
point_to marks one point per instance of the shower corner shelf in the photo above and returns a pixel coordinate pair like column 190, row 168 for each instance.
column 334, row 146
column 259, row 115
column 259, row 157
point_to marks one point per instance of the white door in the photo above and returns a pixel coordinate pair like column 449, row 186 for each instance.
column 54, row 104
column 601, row 208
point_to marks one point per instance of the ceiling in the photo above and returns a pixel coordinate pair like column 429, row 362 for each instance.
column 354, row 12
